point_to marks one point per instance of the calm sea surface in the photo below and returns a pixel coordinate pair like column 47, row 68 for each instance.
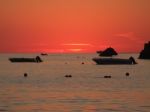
column 47, row 90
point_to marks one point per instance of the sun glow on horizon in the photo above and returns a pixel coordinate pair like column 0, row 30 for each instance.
column 77, row 44
column 77, row 47
column 74, row 50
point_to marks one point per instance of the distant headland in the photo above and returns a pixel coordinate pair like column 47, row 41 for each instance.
column 107, row 52
column 145, row 53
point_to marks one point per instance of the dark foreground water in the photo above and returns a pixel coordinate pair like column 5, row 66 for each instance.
column 47, row 90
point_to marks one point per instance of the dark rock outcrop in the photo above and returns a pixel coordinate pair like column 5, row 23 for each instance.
column 99, row 52
column 107, row 52
column 145, row 53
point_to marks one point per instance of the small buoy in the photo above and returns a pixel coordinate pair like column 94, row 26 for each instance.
column 25, row 74
column 107, row 76
column 127, row 74
column 68, row 76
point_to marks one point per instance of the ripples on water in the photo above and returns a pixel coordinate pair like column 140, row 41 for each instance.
column 47, row 90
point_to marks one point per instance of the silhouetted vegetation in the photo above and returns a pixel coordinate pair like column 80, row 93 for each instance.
column 145, row 53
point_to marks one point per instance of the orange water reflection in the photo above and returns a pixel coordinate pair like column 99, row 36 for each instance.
column 66, row 101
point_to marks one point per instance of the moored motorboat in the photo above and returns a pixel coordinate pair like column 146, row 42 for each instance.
column 37, row 59
column 103, row 61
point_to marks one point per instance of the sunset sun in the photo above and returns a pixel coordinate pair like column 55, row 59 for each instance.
column 76, row 47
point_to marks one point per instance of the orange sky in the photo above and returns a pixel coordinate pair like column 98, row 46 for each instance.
column 73, row 25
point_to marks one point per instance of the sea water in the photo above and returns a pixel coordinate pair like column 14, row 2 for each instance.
column 46, row 89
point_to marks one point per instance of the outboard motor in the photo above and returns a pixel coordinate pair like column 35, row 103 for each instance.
column 38, row 59
column 132, row 60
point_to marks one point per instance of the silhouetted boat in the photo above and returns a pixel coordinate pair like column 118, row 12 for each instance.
column 37, row 59
column 105, row 61
column 44, row 54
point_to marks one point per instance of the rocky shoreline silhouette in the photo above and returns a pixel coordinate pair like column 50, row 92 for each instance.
column 145, row 53
column 107, row 52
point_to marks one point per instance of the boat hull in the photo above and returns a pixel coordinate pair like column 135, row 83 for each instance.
column 35, row 60
column 22, row 60
column 106, row 61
